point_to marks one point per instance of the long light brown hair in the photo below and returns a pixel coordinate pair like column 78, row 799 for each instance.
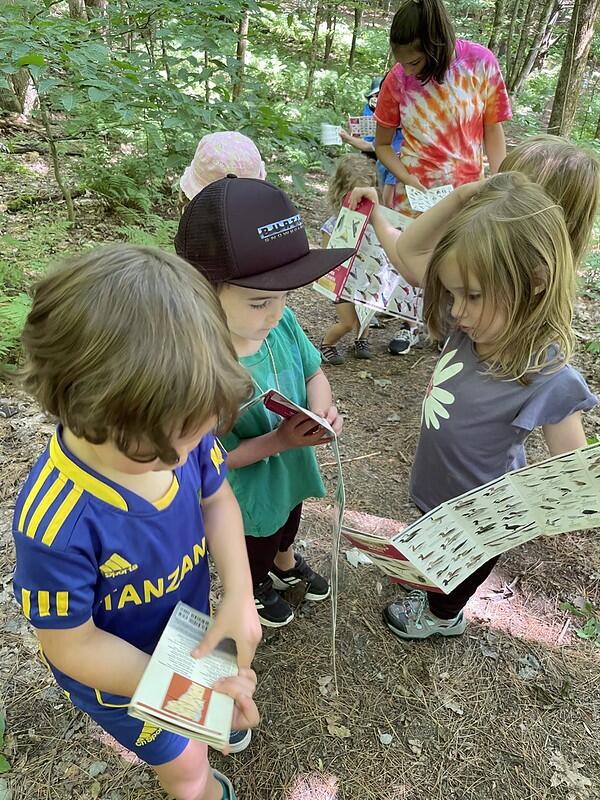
column 570, row 175
column 129, row 344
column 426, row 26
column 513, row 240
column 350, row 171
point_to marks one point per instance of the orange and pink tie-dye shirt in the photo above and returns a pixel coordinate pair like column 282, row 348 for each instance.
column 443, row 123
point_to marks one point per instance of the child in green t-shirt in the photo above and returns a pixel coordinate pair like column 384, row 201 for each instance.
column 248, row 239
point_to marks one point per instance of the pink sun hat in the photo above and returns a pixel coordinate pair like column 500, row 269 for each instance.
column 218, row 155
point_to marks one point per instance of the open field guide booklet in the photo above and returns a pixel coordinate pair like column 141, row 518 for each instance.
column 446, row 545
column 175, row 692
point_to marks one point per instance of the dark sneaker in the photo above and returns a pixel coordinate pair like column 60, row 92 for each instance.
column 317, row 587
column 404, row 339
column 239, row 740
column 362, row 349
column 226, row 784
column 410, row 618
column 331, row 355
column 273, row 610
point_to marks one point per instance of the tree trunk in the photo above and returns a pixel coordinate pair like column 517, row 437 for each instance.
column 514, row 13
column 242, row 48
column 25, row 91
column 312, row 58
column 497, row 24
column 548, row 40
column 534, row 51
column 597, row 134
column 358, row 12
column 331, row 23
column 77, row 9
column 523, row 42
column 577, row 47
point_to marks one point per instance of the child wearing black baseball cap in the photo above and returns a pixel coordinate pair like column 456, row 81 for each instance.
column 247, row 238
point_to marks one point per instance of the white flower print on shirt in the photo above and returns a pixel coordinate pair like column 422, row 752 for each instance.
column 436, row 398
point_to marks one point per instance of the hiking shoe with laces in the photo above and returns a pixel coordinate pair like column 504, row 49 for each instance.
column 403, row 340
column 331, row 355
column 317, row 587
column 410, row 618
column 362, row 349
column 273, row 610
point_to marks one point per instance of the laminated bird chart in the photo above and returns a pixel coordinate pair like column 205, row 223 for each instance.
column 368, row 279
column 441, row 549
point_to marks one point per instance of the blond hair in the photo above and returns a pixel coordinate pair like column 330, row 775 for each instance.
column 570, row 175
column 129, row 344
column 513, row 240
column 350, row 171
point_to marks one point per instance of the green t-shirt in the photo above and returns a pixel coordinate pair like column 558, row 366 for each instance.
column 268, row 490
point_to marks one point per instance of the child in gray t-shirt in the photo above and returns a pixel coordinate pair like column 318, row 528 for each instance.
column 497, row 266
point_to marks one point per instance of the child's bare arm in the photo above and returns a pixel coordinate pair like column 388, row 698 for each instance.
column 356, row 141
column 94, row 657
column 385, row 153
column 566, row 435
column 410, row 251
column 236, row 617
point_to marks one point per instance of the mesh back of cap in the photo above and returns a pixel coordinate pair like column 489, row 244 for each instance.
column 203, row 238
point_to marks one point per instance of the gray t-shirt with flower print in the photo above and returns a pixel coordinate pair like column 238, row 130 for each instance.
column 473, row 425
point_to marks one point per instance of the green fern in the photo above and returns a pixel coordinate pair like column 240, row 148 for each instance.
column 13, row 312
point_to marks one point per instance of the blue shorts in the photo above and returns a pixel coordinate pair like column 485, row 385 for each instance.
column 152, row 745
column 386, row 177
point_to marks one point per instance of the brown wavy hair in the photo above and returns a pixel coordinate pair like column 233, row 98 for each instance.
column 350, row 171
column 569, row 174
column 426, row 26
column 513, row 239
column 129, row 344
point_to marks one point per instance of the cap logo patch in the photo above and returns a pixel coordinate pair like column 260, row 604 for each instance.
column 281, row 228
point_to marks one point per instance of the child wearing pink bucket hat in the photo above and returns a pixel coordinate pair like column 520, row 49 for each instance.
column 218, row 155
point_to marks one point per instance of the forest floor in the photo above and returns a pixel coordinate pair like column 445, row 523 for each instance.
column 509, row 711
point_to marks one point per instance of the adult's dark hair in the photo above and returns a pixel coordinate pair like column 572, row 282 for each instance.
column 425, row 24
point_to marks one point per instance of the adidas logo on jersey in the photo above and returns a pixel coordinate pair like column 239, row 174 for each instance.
column 116, row 565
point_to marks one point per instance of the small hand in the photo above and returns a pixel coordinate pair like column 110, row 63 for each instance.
column 360, row 193
column 415, row 183
column 241, row 688
column 333, row 417
column 299, row 431
column 236, row 619
column 345, row 136
column 468, row 191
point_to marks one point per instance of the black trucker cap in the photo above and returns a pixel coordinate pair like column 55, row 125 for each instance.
column 247, row 232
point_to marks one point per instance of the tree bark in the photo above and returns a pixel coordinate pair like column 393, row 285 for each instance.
column 577, row 48
column 331, row 23
column 523, row 41
column 514, row 14
column 77, row 9
column 312, row 59
column 497, row 24
column 358, row 12
column 534, row 51
column 242, row 48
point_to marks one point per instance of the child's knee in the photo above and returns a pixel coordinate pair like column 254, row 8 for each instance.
column 188, row 776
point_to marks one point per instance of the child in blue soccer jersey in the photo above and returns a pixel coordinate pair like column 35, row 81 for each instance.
column 129, row 349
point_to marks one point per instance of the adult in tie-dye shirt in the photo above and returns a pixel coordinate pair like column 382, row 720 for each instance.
column 449, row 98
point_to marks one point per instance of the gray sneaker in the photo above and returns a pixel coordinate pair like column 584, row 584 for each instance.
column 331, row 355
column 410, row 618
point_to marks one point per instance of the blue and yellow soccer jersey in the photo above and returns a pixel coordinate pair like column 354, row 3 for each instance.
column 89, row 548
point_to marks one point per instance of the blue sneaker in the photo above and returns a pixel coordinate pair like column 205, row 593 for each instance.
column 228, row 790
column 239, row 740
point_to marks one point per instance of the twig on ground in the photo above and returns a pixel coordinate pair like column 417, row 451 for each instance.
column 348, row 460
